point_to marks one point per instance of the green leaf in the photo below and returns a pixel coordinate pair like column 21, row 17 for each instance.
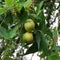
column 48, row 32
column 35, row 16
column 58, row 0
column 39, row 7
column 7, row 52
column 0, row 0
column 9, row 18
column 44, row 45
column 57, row 48
column 9, row 49
column 3, row 33
column 38, row 39
column 8, row 34
column 5, row 25
column 41, row 21
column 21, row 0
column 18, row 7
column 1, row 17
column 13, row 32
column 2, row 10
column 32, row 49
column 55, row 35
column 10, row 3
column 23, row 16
column 53, row 57
column 27, row 3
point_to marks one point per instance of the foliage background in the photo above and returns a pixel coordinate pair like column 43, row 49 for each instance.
column 14, row 13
